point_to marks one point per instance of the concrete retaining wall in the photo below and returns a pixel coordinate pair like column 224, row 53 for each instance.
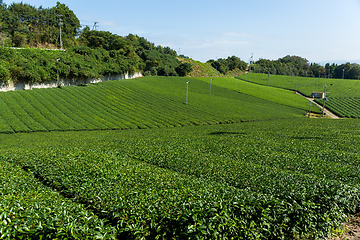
column 63, row 82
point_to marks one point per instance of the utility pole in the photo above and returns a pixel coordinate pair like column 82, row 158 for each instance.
column 210, row 86
column 60, row 23
column 95, row 26
column 251, row 61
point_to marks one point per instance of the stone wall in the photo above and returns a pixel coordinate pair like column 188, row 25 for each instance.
column 63, row 82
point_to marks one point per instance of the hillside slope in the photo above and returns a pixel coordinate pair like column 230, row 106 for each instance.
column 149, row 102
column 277, row 95
column 343, row 95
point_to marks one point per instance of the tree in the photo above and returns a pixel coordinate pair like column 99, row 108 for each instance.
column 183, row 69
column 354, row 72
column 342, row 70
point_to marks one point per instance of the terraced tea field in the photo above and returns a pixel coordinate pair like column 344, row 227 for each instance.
column 150, row 102
column 343, row 95
column 163, row 169
column 257, row 180
column 276, row 95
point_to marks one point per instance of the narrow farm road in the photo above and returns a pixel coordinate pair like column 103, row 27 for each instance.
column 327, row 112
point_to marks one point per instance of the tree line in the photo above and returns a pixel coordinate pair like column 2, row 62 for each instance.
column 89, row 53
column 25, row 25
column 298, row 66
column 229, row 64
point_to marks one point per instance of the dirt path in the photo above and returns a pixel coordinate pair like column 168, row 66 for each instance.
column 352, row 230
column 327, row 112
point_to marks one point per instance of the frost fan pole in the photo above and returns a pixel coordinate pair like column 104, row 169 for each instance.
column 187, row 90
column 324, row 98
column 57, row 79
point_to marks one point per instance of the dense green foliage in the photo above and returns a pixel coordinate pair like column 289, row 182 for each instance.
column 25, row 25
column 37, row 66
column 229, row 64
column 297, row 66
column 83, row 62
column 140, row 54
column 149, row 102
column 30, row 209
column 288, row 65
column 342, row 94
column 255, row 180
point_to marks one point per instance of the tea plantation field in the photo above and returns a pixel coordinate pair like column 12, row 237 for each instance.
column 273, row 179
column 273, row 94
column 149, row 102
column 343, row 95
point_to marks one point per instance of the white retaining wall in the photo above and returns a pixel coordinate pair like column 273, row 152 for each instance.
column 63, row 82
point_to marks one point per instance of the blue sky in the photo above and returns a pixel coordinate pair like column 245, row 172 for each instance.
column 319, row 30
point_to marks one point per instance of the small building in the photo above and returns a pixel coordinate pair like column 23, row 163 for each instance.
column 318, row 95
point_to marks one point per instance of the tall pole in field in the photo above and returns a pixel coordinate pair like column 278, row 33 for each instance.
column 343, row 73
column 187, row 91
column 60, row 23
column 251, row 62
column 310, row 108
column 210, row 86
column 331, row 90
column 268, row 77
column 57, row 79
column 235, row 84
column 324, row 98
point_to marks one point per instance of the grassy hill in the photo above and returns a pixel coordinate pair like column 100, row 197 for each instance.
column 277, row 95
column 149, row 102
